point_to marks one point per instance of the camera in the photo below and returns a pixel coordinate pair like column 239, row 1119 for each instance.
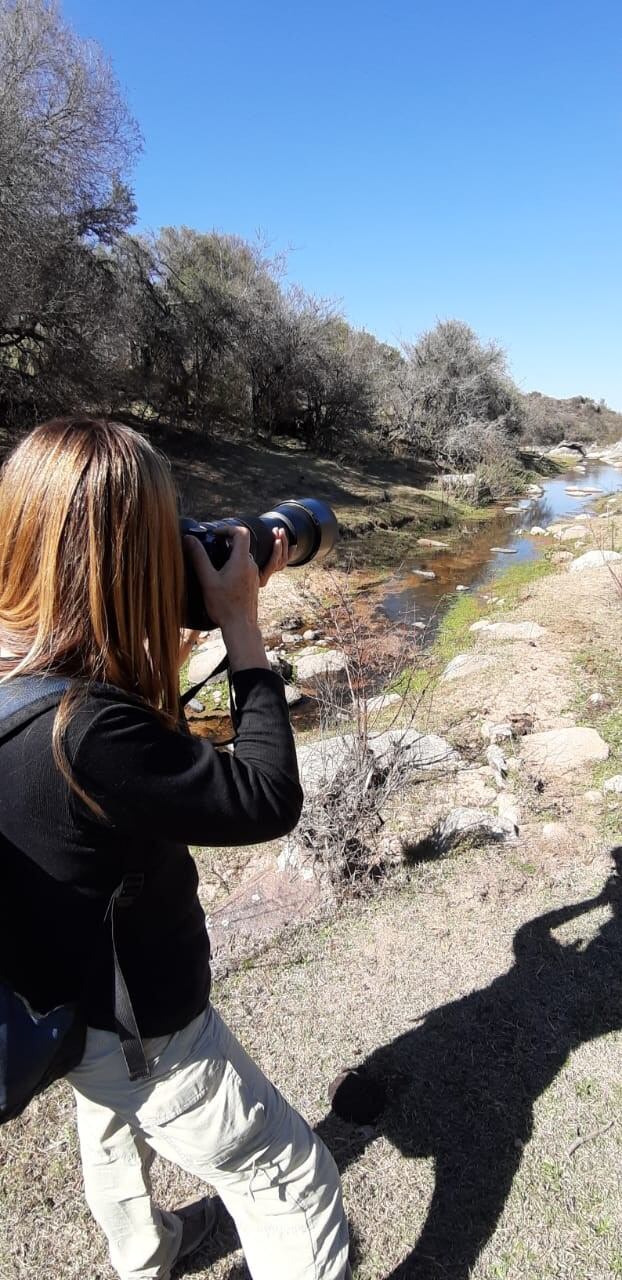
column 310, row 527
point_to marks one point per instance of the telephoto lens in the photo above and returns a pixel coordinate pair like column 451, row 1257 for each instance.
column 310, row 526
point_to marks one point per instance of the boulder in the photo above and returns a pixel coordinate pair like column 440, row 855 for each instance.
column 382, row 701
column 320, row 762
column 508, row 808
column 497, row 732
column 568, row 532
column 479, row 825
column 293, row 695
column 594, row 560
column 467, row 664
column 556, row 752
column 537, row 531
column 498, row 763
column 510, row 630
column 206, row 658
column 614, row 784
column 312, row 666
column 310, row 636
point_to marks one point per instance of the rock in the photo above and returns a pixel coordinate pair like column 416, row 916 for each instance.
column 466, row 664
column 498, row 762
column 568, row 447
column 461, row 588
column 432, row 542
column 497, row 732
column 420, row 626
column 311, row 635
column 614, row 784
column 320, row 762
column 311, row 666
column 535, row 489
column 477, row 824
column 424, row 573
column 512, row 511
column 577, row 491
column 597, row 700
column 594, row 560
column 293, row 695
column 561, row 557
column 457, row 479
column 537, row 531
column 558, row 751
column 217, row 697
column 195, row 705
column 206, row 659
column 290, row 640
column 593, row 797
column 510, row 630
column 280, row 664
column 568, row 532
column 555, row 833
column 508, row 808
column 504, row 551
column 382, row 701
column 292, row 624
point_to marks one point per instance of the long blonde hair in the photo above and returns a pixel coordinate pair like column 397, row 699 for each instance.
column 91, row 565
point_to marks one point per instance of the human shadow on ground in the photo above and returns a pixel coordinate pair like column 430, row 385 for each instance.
column 462, row 1084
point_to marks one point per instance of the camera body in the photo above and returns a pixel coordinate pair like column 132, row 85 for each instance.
column 310, row 527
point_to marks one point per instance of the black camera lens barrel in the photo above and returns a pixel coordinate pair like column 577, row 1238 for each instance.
column 310, row 526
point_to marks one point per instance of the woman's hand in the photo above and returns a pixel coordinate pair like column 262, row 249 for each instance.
column 231, row 593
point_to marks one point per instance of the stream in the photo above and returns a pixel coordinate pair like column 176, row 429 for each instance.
column 476, row 561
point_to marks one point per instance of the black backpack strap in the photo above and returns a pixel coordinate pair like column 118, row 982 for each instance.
column 22, row 699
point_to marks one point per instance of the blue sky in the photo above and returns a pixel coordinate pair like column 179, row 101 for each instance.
column 459, row 158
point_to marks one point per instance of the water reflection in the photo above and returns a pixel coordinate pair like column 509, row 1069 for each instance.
column 475, row 562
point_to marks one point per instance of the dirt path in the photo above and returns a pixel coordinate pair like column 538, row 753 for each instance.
column 484, row 990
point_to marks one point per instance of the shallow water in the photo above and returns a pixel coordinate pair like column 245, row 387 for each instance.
column 474, row 562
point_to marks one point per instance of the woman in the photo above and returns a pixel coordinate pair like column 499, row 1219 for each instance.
column 91, row 586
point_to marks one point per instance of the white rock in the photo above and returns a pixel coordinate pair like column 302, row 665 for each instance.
column 313, row 665
column 311, row 635
column 557, row 751
column 593, row 797
column 478, row 824
column 420, row 626
column 512, row 511
column 504, row 551
column 497, row 761
column 466, row 664
column 510, row 630
column 537, row 531
column 597, row 700
column 195, row 705
column 614, row 784
column 292, row 695
column 461, row 588
column 206, row 659
column 535, row 489
column 497, row 732
column 594, row 560
column 424, row 573
column 555, row 833
column 508, row 808
column 382, row 701
column 290, row 640
column 320, row 762
column 568, row 532
column 433, row 542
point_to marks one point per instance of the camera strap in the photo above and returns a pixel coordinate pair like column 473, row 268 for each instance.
column 220, row 669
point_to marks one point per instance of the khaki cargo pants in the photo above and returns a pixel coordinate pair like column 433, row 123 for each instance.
column 209, row 1109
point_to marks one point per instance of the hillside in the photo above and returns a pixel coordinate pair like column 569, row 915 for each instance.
column 579, row 418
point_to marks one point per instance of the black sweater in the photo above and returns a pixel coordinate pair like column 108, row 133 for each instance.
column 161, row 791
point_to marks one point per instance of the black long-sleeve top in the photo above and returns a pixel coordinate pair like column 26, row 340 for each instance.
column 161, row 790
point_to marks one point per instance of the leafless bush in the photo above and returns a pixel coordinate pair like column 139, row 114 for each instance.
column 365, row 754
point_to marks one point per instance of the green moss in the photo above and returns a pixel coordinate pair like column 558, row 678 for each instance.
column 454, row 634
column 512, row 582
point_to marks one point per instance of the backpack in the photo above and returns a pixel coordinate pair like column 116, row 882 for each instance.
column 38, row 1048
